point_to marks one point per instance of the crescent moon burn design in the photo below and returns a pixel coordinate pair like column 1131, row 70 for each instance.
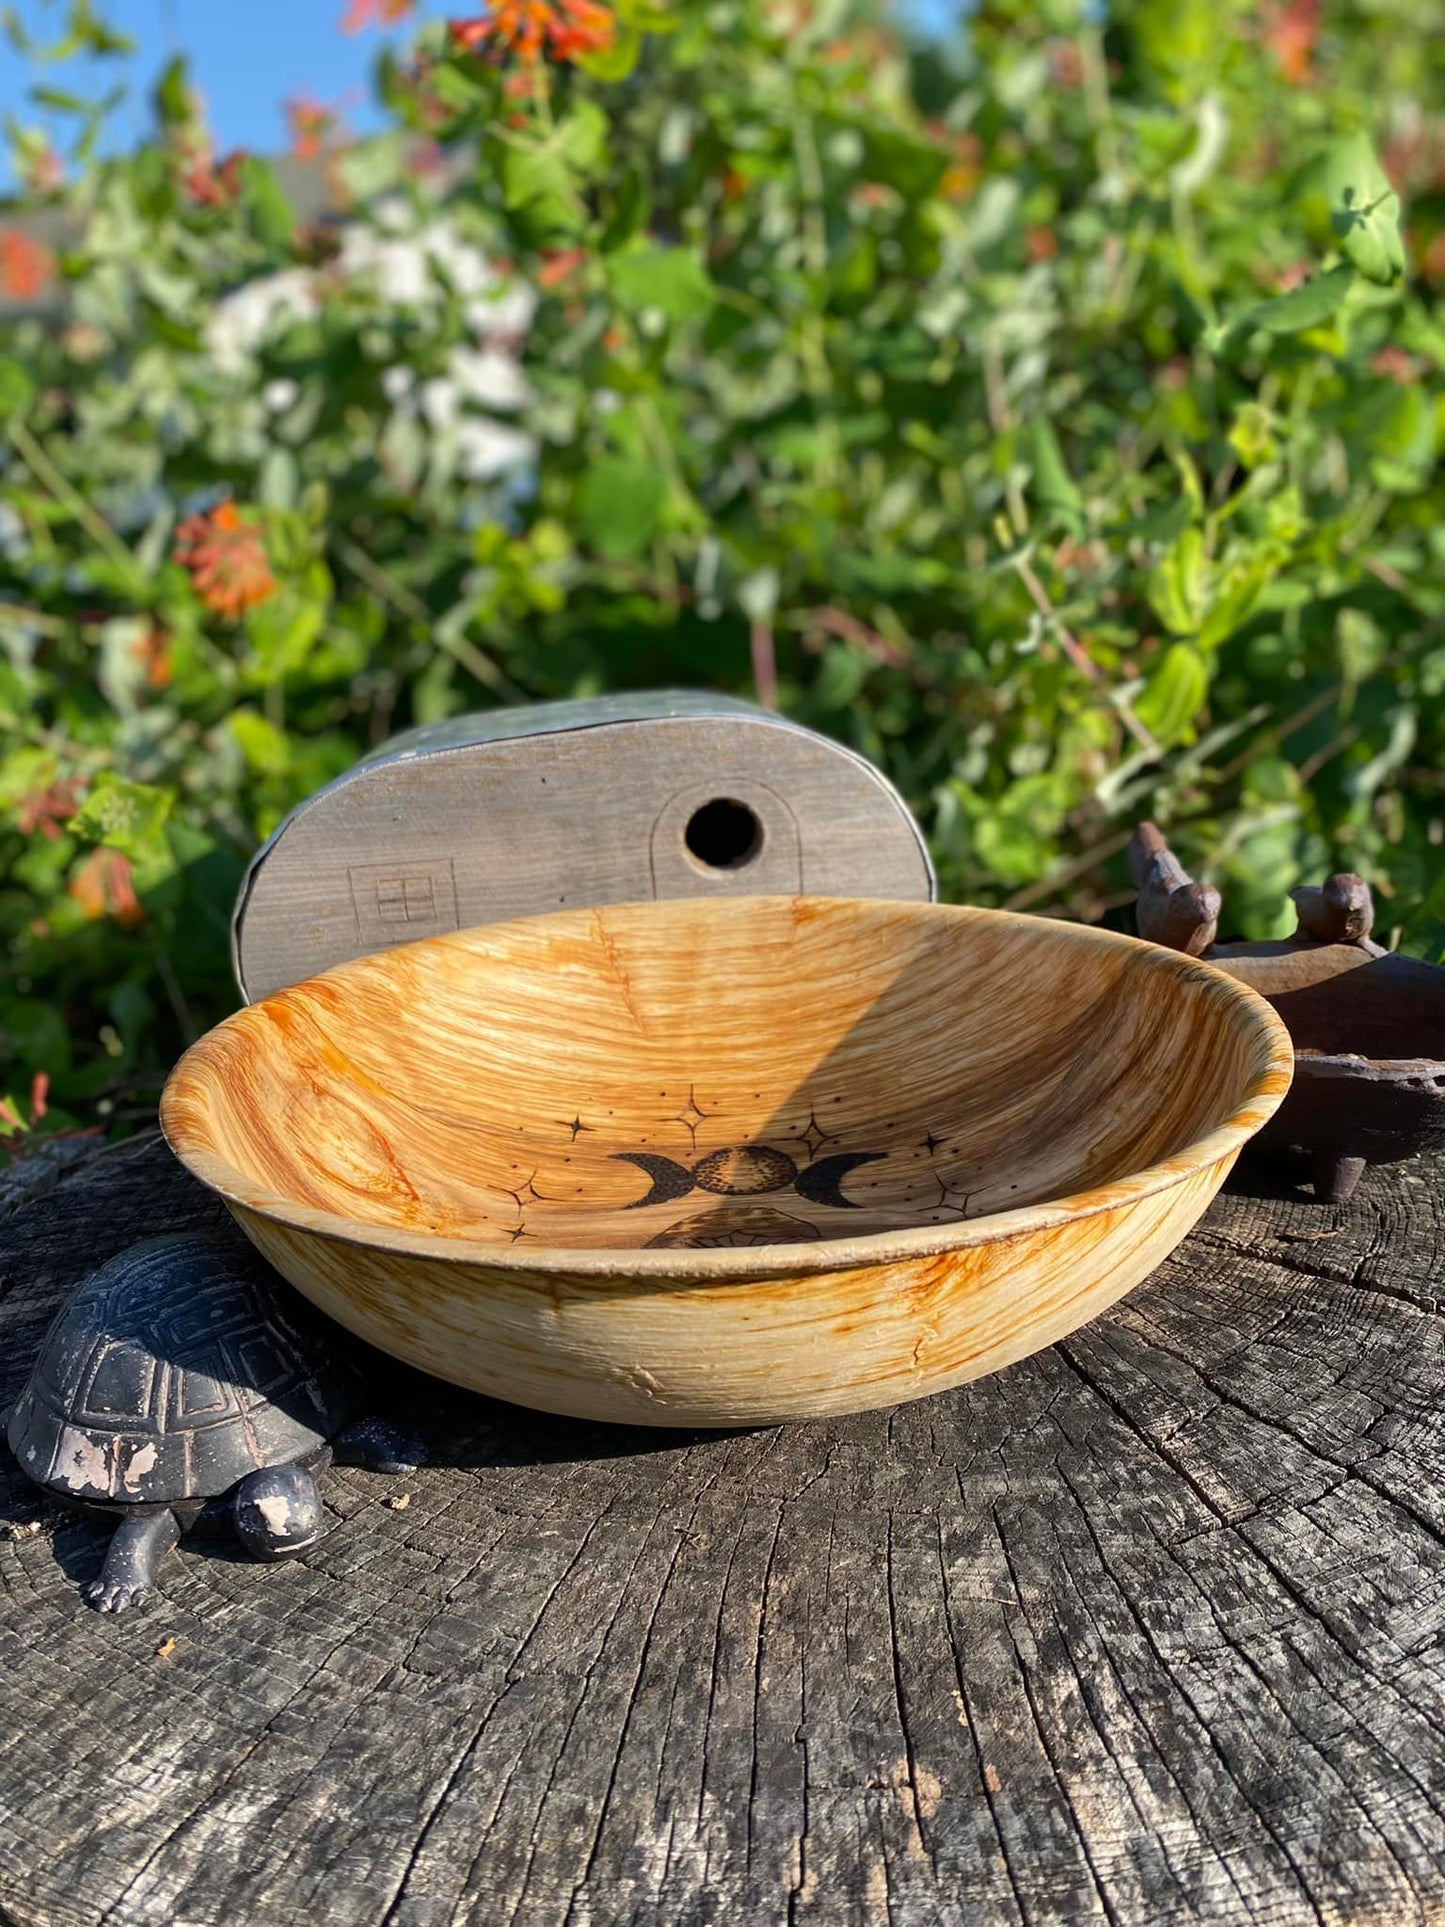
column 745, row 1171
column 670, row 1180
column 819, row 1183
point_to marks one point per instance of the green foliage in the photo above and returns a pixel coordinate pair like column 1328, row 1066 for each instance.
column 1058, row 414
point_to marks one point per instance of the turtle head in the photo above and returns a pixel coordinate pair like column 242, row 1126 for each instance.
column 277, row 1513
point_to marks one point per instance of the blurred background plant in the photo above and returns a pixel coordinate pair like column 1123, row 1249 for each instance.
column 1052, row 414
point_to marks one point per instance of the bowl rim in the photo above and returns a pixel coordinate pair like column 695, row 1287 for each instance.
column 719, row 1264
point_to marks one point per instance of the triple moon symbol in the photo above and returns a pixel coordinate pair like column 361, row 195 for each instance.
column 747, row 1171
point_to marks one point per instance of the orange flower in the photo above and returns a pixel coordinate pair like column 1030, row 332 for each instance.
column 312, row 124
column 1394, row 363
column 1041, row 244
column 102, row 886
column 1290, row 37
column 44, row 171
column 361, row 14
column 1086, row 556
column 11, row 1119
column 215, row 183
column 1286, row 280
column 1066, row 63
column 562, row 28
column 25, row 265
column 153, row 650
column 965, row 170
column 227, row 561
column 560, row 266
column 46, row 810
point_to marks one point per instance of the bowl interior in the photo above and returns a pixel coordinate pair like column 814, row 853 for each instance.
column 754, row 1072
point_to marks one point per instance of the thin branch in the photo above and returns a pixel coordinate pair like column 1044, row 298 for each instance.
column 190, row 1030
column 407, row 603
column 848, row 628
column 34, row 619
column 1056, row 879
column 1077, row 654
column 1274, row 737
column 765, row 663
column 404, row 600
column 49, row 477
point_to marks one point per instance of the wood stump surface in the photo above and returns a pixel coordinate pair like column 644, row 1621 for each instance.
column 1146, row 1629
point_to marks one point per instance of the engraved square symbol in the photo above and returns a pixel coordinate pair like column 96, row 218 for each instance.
column 391, row 899
column 405, row 899
column 395, row 902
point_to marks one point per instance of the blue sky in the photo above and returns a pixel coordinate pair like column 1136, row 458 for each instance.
column 248, row 56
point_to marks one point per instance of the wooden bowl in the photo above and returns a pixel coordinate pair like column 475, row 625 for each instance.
column 716, row 1163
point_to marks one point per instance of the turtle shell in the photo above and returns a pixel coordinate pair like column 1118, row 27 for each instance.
column 174, row 1371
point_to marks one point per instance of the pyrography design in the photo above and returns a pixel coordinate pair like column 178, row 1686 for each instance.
column 744, row 1171
column 739, row 1177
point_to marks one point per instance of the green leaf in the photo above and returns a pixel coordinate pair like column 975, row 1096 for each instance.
column 1177, row 585
column 1176, row 36
column 265, row 748
column 455, row 88
column 1303, row 307
column 1252, row 434
column 629, row 213
column 619, row 504
column 122, row 815
column 647, row 16
column 913, row 167
column 535, row 170
column 172, row 96
column 616, row 62
column 673, row 280
column 1053, row 488
column 34, row 1032
column 1347, row 202
column 1174, row 694
column 58, row 100
column 270, row 211
column 17, row 390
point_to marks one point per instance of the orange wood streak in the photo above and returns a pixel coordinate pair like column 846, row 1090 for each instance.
column 428, row 1143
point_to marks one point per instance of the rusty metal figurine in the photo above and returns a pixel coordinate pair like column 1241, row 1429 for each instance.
column 1368, row 1026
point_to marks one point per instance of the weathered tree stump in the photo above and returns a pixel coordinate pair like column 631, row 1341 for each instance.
column 1145, row 1630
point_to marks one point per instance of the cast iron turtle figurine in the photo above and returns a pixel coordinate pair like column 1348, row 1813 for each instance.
column 184, row 1385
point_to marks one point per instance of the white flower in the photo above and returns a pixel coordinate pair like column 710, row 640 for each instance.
column 487, row 449
column 489, row 379
column 403, row 267
column 240, row 322
column 438, row 399
column 505, row 314
column 278, row 395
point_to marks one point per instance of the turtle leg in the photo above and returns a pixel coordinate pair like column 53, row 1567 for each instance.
column 278, row 1513
column 380, row 1446
column 137, row 1546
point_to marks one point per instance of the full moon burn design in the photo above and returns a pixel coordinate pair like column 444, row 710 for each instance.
column 744, row 1171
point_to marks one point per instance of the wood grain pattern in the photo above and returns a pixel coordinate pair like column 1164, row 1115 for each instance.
column 1145, row 1630
column 521, row 811
column 701, row 1164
